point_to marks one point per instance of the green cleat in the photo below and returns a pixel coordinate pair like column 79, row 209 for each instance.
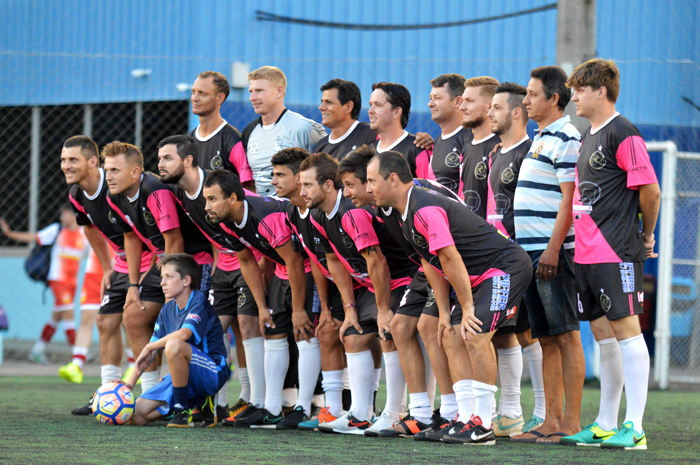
column 71, row 373
column 592, row 435
column 504, row 426
column 532, row 423
column 626, row 438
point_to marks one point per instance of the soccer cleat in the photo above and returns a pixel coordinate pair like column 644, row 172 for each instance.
column 626, row 438
column 591, row 435
column 222, row 412
column 347, row 424
column 405, row 428
column 83, row 411
column 127, row 375
column 38, row 357
column 233, row 412
column 263, row 419
column 71, row 373
column 444, row 430
column 504, row 426
column 472, row 433
column 241, row 419
column 312, row 425
column 208, row 413
column 181, row 419
column 293, row 418
column 436, row 425
column 532, row 423
column 385, row 421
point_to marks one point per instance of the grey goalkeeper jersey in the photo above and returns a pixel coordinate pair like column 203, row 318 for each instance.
column 262, row 142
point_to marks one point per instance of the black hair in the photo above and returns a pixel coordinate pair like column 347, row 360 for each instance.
column 347, row 92
column 185, row 145
column 398, row 96
column 356, row 162
column 227, row 181
column 291, row 158
column 554, row 82
column 185, row 265
column 88, row 147
column 394, row 162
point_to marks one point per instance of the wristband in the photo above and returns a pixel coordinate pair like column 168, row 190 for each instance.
column 350, row 305
column 134, row 285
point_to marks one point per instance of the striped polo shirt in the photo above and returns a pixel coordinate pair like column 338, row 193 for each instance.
column 550, row 161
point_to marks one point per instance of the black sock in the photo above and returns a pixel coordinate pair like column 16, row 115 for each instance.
column 180, row 401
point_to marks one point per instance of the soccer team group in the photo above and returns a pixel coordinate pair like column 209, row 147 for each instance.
column 454, row 261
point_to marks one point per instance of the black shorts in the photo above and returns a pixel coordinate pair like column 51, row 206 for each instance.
column 415, row 298
column 150, row 286
column 551, row 304
column 366, row 304
column 115, row 297
column 230, row 295
column 279, row 301
column 613, row 290
column 522, row 323
column 335, row 302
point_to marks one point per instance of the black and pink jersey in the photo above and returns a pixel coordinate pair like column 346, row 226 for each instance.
column 310, row 239
column 613, row 162
column 432, row 222
column 264, row 228
column 447, row 157
column 95, row 210
column 475, row 171
column 155, row 209
column 504, row 168
column 223, row 149
column 394, row 224
column 358, row 135
column 418, row 159
column 349, row 230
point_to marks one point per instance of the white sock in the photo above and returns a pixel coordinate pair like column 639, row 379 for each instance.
column 430, row 379
column 245, row 383
column 612, row 380
column 289, row 396
column 484, row 397
column 309, row 369
column 420, row 407
column 465, row 399
column 395, row 384
column 448, row 406
column 276, row 365
column 148, row 380
column 333, row 387
column 533, row 355
column 360, row 371
column 81, row 353
column 635, row 361
column 510, row 372
column 222, row 395
column 346, row 379
column 110, row 373
column 254, row 349
column 39, row 347
column 372, row 392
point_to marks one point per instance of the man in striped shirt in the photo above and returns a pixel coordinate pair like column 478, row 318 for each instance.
column 543, row 227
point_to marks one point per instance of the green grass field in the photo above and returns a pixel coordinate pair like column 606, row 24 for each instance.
column 37, row 428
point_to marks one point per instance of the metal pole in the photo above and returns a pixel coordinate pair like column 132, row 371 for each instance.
column 34, row 170
column 87, row 120
column 138, row 133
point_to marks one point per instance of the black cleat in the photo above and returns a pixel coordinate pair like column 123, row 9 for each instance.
column 293, row 418
column 83, row 411
column 263, row 419
column 439, row 434
column 208, row 413
column 181, row 419
column 241, row 420
column 436, row 425
column 472, row 433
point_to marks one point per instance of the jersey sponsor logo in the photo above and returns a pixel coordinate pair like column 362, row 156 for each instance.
column 597, row 160
column 157, row 327
column 148, row 218
column 510, row 313
column 605, row 301
column 472, row 200
column 262, row 241
column 481, row 170
column 419, row 240
column 208, row 219
column 241, row 297
column 431, row 299
column 627, row 277
column 640, row 297
column 278, row 144
column 538, row 150
column 216, row 162
column 194, row 317
column 452, row 159
column 347, row 242
column 507, row 176
column 502, row 204
column 500, row 293
column 110, row 217
column 590, row 193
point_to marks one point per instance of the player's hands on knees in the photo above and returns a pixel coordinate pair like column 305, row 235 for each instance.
column 470, row 323
column 133, row 297
column 303, row 328
column 325, row 318
column 265, row 318
column 423, row 140
column 351, row 319
column 547, row 267
column 384, row 323
column 444, row 324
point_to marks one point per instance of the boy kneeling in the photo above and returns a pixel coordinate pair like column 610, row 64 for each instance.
column 190, row 332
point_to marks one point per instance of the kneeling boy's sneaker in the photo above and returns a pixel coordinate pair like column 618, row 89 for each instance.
column 347, row 424
column 591, row 435
column 293, row 418
column 83, row 411
column 504, row 426
column 263, row 419
column 181, row 419
column 404, row 428
column 324, row 416
column 532, row 423
column 71, row 373
column 208, row 413
column 436, row 425
column 472, row 433
column 385, row 421
column 626, row 438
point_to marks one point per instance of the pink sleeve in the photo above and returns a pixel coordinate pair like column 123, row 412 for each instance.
column 632, row 156
column 275, row 229
column 162, row 204
column 431, row 223
column 358, row 224
column 423, row 169
column 238, row 158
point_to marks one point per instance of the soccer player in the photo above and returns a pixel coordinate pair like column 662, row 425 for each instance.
column 445, row 101
column 508, row 118
column 276, row 129
column 361, row 248
column 155, row 218
column 389, row 109
column 475, row 157
column 487, row 271
column 229, row 294
column 260, row 223
column 190, row 334
column 543, row 227
column 285, row 178
column 219, row 145
column 340, row 107
column 615, row 183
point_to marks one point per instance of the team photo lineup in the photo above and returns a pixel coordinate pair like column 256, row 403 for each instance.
column 327, row 249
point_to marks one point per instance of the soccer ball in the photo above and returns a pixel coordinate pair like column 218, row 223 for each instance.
column 113, row 404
